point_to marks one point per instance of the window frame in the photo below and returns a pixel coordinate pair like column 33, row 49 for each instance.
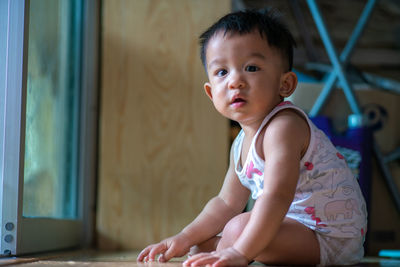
column 23, row 235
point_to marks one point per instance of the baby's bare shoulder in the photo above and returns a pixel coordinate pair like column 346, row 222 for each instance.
column 288, row 121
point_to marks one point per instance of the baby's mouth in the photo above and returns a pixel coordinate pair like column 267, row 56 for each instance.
column 237, row 102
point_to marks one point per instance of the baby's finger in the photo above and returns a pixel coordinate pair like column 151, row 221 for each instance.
column 143, row 254
column 157, row 249
column 191, row 259
column 197, row 257
column 169, row 254
column 206, row 260
column 220, row 263
column 161, row 258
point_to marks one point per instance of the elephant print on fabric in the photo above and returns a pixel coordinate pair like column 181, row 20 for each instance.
column 341, row 207
column 327, row 200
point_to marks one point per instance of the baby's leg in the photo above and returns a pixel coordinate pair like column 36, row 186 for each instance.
column 293, row 244
column 207, row 246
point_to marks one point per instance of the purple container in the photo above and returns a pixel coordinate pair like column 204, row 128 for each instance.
column 355, row 145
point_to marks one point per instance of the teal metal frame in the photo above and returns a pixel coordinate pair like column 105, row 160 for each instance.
column 338, row 63
column 338, row 73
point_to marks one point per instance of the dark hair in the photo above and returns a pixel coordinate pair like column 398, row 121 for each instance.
column 266, row 21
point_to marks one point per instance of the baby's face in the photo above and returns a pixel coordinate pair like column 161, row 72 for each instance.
column 245, row 76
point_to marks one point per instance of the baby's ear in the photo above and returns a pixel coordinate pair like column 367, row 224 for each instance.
column 288, row 84
column 207, row 89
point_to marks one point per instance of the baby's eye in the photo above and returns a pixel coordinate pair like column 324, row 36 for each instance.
column 252, row 68
column 221, row 72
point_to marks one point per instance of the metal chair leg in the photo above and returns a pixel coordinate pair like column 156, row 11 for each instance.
column 338, row 72
column 344, row 56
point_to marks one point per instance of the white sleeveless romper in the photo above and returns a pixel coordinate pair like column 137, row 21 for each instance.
column 328, row 198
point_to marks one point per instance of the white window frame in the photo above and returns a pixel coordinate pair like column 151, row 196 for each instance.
column 21, row 235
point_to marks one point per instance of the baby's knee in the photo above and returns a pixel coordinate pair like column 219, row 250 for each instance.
column 206, row 246
column 233, row 229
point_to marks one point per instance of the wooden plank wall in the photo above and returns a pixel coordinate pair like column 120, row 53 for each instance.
column 163, row 148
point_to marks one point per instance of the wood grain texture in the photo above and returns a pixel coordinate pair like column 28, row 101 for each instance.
column 163, row 147
column 95, row 258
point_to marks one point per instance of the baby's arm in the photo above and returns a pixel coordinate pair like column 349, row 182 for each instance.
column 286, row 137
column 230, row 201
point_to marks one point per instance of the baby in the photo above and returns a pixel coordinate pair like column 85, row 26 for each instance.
column 309, row 208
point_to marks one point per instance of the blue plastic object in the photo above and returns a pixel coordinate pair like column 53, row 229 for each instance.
column 390, row 253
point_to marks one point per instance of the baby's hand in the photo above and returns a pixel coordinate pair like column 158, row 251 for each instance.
column 226, row 257
column 176, row 246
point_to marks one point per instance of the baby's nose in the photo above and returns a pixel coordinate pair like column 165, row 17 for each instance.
column 236, row 80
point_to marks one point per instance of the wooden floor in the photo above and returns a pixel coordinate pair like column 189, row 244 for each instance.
column 99, row 259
